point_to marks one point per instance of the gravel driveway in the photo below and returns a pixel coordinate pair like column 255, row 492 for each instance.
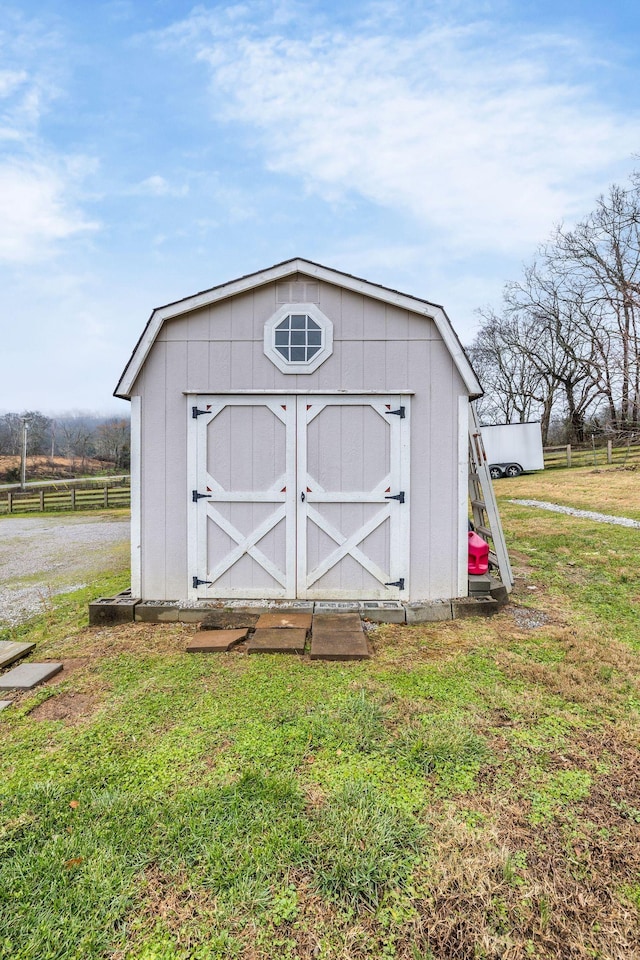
column 43, row 556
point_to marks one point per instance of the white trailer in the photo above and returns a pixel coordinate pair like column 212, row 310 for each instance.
column 512, row 448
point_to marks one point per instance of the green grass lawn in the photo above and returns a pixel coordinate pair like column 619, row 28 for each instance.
column 470, row 792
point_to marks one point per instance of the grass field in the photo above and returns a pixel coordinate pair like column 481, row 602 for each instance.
column 471, row 792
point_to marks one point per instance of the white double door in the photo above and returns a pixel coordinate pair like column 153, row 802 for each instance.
column 299, row 496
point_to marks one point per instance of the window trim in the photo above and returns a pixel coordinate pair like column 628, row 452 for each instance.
column 298, row 366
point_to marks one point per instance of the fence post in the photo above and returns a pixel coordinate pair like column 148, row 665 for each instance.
column 568, row 454
column 73, row 498
column 10, row 501
column 609, row 451
column 106, row 495
column 42, row 500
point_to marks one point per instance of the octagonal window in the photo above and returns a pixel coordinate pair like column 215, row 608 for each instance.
column 298, row 338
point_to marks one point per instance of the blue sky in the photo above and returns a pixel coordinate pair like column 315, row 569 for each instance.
column 149, row 150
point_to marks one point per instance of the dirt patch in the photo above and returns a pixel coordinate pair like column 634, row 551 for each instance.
column 137, row 638
column 71, row 707
column 70, row 666
column 171, row 901
column 504, row 892
column 500, row 886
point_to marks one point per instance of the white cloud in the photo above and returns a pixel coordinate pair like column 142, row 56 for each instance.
column 39, row 185
column 34, row 210
column 485, row 136
column 157, row 186
column 10, row 80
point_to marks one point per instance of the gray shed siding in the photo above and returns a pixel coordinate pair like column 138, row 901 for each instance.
column 376, row 347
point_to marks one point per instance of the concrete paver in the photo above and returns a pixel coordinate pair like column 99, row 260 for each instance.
column 28, row 675
column 278, row 640
column 338, row 622
column 228, row 620
column 216, row 641
column 11, row 650
column 338, row 637
column 285, row 620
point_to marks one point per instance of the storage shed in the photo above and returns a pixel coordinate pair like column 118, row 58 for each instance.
column 299, row 433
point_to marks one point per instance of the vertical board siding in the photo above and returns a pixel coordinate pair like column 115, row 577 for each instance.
column 219, row 369
column 197, row 361
column 377, row 346
column 176, row 492
column 396, row 363
column 352, row 373
column 153, row 394
column 220, row 327
column 136, row 490
column 444, row 493
column 242, row 326
column 352, row 325
column 198, row 324
column 330, row 301
column 264, row 306
column 375, row 321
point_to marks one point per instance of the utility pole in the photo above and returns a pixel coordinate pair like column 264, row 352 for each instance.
column 23, row 465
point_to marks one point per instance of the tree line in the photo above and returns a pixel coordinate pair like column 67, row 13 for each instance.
column 78, row 437
column 564, row 348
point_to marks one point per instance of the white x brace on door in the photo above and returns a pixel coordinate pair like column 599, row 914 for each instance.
column 299, row 496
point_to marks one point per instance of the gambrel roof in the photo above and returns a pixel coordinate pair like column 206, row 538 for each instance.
column 280, row 271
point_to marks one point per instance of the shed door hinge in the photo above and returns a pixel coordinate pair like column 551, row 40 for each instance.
column 199, row 583
column 195, row 413
column 396, row 583
column 195, row 496
column 396, row 413
column 397, row 496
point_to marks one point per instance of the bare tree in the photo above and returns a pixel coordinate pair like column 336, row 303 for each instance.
column 600, row 258
column 11, row 432
column 112, row 442
column 567, row 342
column 516, row 390
column 552, row 321
column 77, row 440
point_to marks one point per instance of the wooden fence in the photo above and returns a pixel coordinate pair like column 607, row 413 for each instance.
column 596, row 454
column 67, row 495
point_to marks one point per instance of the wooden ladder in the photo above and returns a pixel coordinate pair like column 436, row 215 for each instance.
column 484, row 508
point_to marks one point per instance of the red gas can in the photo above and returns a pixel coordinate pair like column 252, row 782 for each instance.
column 478, row 554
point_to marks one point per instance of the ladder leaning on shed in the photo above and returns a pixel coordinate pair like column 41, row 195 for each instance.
column 484, row 508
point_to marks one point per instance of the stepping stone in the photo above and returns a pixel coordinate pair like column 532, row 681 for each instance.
column 277, row 640
column 287, row 619
column 5, row 703
column 338, row 637
column 338, row 622
column 216, row 641
column 29, row 675
column 11, row 650
column 228, row 620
